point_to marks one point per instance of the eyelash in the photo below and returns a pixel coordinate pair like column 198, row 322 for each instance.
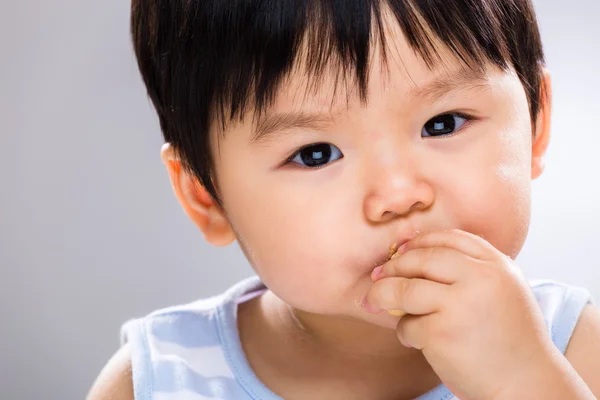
column 468, row 118
column 289, row 160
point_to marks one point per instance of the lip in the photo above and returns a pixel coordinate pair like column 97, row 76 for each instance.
column 385, row 256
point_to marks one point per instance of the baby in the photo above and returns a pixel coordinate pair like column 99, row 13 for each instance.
column 317, row 133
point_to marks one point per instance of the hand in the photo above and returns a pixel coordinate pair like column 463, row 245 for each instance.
column 468, row 309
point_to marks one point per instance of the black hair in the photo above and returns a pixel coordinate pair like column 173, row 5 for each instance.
column 213, row 60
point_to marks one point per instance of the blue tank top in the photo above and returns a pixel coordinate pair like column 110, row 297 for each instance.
column 193, row 351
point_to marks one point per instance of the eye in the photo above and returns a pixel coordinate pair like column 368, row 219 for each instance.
column 316, row 155
column 445, row 124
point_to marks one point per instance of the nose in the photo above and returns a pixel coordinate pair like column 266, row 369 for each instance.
column 397, row 191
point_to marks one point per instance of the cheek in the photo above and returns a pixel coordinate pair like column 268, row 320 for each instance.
column 492, row 198
column 502, row 211
column 295, row 242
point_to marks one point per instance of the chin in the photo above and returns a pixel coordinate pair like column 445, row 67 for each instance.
column 382, row 320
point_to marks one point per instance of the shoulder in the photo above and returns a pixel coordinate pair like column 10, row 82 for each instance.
column 583, row 351
column 561, row 306
column 183, row 341
column 574, row 322
column 114, row 381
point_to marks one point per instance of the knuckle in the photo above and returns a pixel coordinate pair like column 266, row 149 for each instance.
column 403, row 291
column 455, row 231
column 430, row 257
column 394, row 265
column 377, row 292
column 438, row 328
column 448, row 334
column 430, row 253
column 428, row 269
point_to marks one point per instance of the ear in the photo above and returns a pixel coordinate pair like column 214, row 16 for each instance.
column 541, row 136
column 196, row 201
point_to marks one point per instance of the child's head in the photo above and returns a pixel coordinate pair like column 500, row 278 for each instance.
column 317, row 133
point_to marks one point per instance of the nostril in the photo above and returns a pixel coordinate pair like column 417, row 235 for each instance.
column 419, row 205
column 389, row 215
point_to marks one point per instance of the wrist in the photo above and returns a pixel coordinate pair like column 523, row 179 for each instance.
column 554, row 378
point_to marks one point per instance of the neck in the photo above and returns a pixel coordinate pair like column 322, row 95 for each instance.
column 289, row 349
column 340, row 337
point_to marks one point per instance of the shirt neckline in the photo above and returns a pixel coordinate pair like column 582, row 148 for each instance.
column 234, row 353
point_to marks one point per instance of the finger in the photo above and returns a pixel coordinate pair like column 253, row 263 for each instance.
column 439, row 264
column 412, row 331
column 465, row 242
column 411, row 296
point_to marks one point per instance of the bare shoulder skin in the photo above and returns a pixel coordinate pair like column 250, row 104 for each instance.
column 114, row 381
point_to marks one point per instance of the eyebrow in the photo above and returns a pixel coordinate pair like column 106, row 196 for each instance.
column 465, row 78
column 274, row 125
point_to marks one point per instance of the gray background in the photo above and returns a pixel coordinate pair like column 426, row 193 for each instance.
column 90, row 233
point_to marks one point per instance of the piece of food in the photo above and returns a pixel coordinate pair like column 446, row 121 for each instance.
column 393, row 251
column 396, row 313
column 394, row 254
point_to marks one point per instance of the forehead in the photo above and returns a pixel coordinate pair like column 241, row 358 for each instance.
column 401, row 76
column 394, row 66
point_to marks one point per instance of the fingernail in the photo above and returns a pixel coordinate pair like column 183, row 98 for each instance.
column 402, row 248
column 377, row 272
column 369, row 307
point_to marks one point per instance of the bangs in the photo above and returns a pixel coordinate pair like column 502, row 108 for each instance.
column 269, row 39
column 206, row 62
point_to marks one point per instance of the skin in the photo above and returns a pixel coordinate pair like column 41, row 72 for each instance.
column 314, row 236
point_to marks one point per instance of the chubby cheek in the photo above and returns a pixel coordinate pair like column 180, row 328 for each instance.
column 494, row 198
column 500, row 213
column 295, row 243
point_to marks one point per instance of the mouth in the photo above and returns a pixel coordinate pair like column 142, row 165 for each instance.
column 392, row 251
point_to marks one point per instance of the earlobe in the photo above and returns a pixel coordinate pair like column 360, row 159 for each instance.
column 541, row 137
column 197, row 202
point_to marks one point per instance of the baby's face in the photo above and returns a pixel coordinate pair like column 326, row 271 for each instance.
column 315, row 227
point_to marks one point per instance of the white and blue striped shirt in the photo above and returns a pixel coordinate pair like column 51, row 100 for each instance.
column 193, row 351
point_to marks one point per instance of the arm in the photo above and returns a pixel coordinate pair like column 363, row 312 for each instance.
column 114, row 381
column 583, row 351
column 573, row 376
